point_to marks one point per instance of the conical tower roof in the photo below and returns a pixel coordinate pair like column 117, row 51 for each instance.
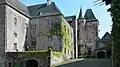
column 80, row 14
column 89, row 15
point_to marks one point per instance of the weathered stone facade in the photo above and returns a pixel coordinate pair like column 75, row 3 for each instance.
column 38, row 34
column 42, row 22
column 13, row 23
column 103, row 49
column 87, row 33
column 72, row 21
column 2, row 36
column 16, row 25
column 19, row 35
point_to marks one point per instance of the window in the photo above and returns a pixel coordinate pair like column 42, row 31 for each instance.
column 68, row 32
column 15, row 34
column 65, row 50
column 65, row 27
column 15, row 20
column 39, row 13
column 26, row 25
column 33, row 42
column 68, row 52
column 15, row 46
column 65, row 41
column 33, row 38
column 34, row 26
column 78, row 33
column 10, row 64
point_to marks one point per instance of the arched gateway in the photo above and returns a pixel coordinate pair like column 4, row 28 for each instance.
column 31, row 63
column 100, row 54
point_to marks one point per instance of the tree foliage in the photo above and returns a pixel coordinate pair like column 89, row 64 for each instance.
column 115, row 13
column 55, row 30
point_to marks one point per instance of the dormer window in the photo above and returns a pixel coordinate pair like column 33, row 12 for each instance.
column 39, row 13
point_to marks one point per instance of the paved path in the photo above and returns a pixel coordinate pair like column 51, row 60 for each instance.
column 88, row 63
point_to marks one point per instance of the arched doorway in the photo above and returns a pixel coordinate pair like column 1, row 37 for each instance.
column 100, row 54
column 31, row 63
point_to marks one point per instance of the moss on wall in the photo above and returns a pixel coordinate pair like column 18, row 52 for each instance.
column 37, row 54
column 57, row 54
column 66, row 31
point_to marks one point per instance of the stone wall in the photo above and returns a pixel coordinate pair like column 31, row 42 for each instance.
column 56, row 57
column 20, row 59
column 2, row 35
column 38, row 28
column 16, row 25
column 44, row 58
column 38, row 32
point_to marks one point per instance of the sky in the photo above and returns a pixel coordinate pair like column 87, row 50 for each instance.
column 72, row 7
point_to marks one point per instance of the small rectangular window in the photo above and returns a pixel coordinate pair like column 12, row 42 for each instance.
column 15, row 46
column 68, row 32
column 65, row 27
column 15, row 20
column 10, row 64
column 65, row 50
column 33, row 42
column 15, row 34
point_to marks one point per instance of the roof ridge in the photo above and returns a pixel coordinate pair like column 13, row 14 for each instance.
column 36, row 5
column 18, row 6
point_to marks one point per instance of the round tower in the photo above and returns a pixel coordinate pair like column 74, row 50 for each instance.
column 81, row 37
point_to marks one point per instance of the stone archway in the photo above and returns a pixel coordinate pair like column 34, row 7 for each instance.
column 31, row 63
column 101, row 54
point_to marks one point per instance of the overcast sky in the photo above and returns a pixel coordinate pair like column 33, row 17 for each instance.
column 72, row 7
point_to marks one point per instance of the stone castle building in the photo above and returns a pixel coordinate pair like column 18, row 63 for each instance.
column 43, row 19
column 103, row 49
column 42, row 26
column 33, row 28
column 14, row 17
column 85, row 32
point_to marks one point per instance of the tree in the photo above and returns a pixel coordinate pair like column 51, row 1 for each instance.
column 115, row 13
column 55, row 30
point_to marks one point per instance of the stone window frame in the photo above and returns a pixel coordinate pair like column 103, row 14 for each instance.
column 65, row 27
column 15, row 46
column 15, row 21
column 15, row 34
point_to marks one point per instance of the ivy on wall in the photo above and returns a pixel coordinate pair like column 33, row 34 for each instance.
column 60, row 29
column 57, row 54
column 115, row 13
column 66, row 34
column 36, row 54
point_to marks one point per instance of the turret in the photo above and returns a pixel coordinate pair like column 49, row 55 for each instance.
column 80, row 17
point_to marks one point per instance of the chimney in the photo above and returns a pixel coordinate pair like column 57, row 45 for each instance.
column 48, row 2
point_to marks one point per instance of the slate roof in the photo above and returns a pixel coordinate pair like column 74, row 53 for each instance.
column 16, row 4
column 80, row 14
column 89, row 15
column 43, row 9
column 106, row 37
column 70, row 18
column 105, row 40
